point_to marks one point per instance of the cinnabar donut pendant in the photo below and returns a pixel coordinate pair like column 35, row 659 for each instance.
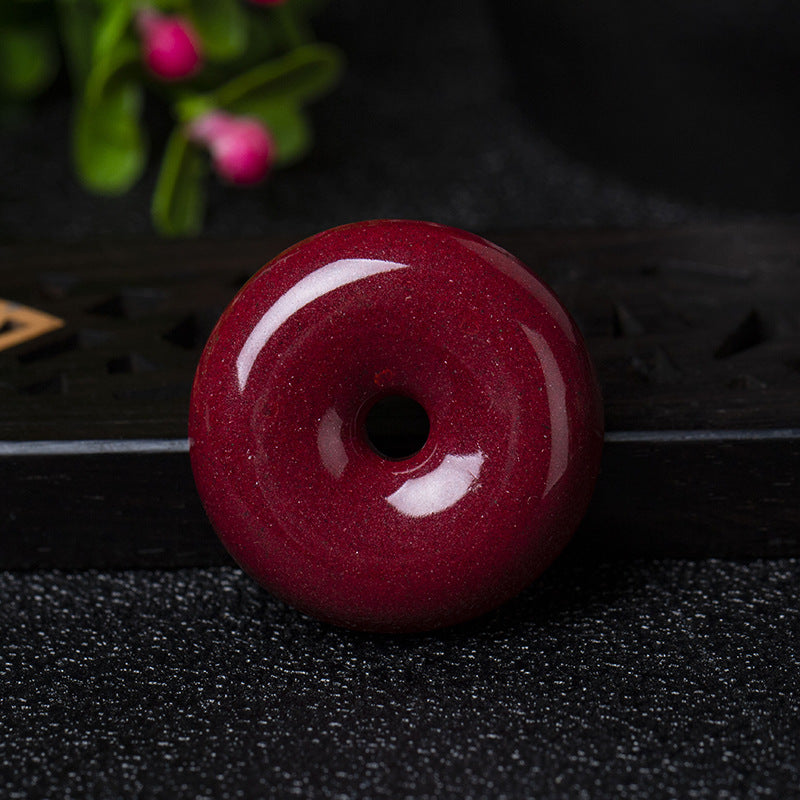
column 395, row 426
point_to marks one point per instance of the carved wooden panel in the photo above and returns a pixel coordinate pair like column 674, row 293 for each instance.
column 695, row 334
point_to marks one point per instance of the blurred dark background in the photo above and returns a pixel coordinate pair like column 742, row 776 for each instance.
column 491, row 115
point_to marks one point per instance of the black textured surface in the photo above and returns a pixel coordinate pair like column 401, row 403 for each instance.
column 658, row 679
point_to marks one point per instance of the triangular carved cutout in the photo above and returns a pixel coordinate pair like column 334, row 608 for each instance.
column 20, row 324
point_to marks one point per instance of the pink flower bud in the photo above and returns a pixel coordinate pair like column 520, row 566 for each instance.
column 170, row 46
column 241, row 147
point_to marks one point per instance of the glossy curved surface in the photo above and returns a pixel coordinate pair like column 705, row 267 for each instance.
column 279, row 448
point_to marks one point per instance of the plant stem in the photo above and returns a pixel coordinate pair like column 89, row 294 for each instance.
column 77, row 20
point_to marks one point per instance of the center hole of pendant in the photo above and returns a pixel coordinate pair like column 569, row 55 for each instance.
column 397, row 427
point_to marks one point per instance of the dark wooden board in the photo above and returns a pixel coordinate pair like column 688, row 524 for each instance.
column 677, row 499
column 692, row 330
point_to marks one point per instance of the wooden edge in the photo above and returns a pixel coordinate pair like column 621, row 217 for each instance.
column 701, row 498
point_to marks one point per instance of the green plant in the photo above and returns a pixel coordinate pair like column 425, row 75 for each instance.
column 204, row 59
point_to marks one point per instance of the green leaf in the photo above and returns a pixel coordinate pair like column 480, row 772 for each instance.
column 77, row 20
column 111, row 27
column 222, row 25
column 179, row 198
column 292, row 133
column 289, row 127
column 109, row 146
column 28, row 60
column 296, row 78
column 117, row 67
column 190, row 106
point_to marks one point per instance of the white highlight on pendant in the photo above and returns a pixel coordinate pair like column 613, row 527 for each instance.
column 439, row 489
column 320, row 282
column 557, row 402
column 329, row 443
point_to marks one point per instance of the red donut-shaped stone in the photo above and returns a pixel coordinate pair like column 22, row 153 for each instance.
column 309, row 447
